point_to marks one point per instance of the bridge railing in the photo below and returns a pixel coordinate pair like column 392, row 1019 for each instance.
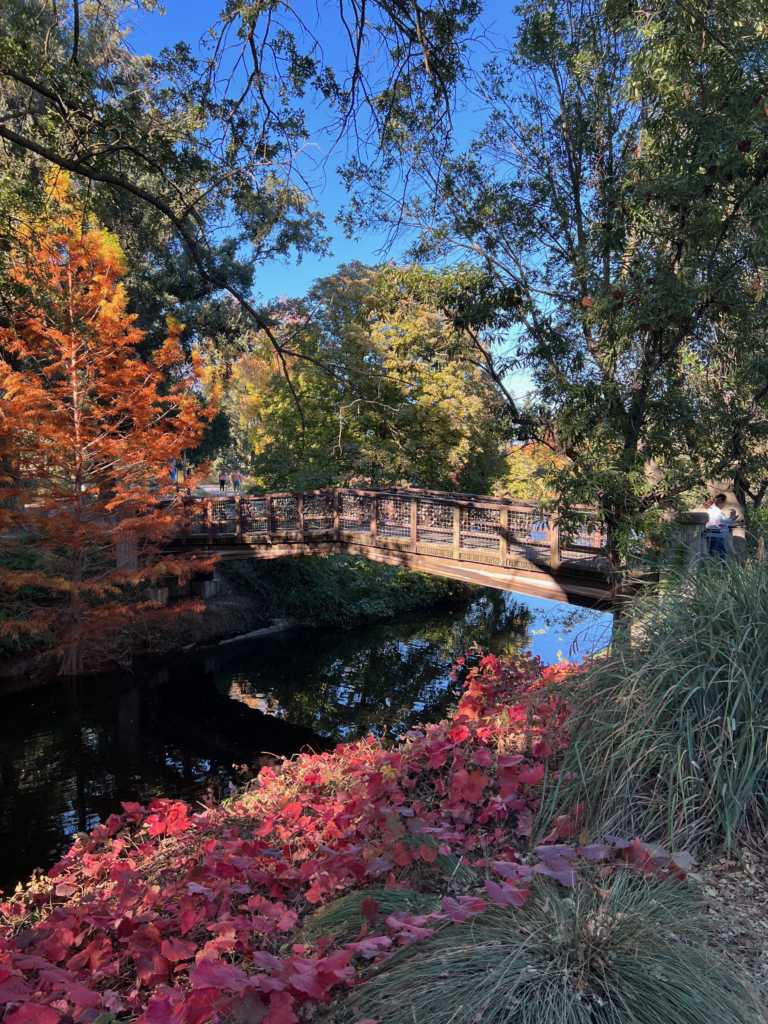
column 467, row 528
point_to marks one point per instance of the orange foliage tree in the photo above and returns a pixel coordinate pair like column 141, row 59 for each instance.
column 87, row 432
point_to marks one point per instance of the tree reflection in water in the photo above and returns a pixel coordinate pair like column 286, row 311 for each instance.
column 70, row 752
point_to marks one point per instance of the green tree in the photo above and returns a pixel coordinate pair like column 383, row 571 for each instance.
column 384, row 415
column 617, row 190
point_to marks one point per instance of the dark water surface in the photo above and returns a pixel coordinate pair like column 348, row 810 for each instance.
column 71, row 751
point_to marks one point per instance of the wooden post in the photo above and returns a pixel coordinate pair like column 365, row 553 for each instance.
column 374, row 521
column 554, row 545
column 504, row 536
column 268, row 512
column 336, row 526
column 209, row 513
column 414, row 525
column 457, row 532
column 300, row 515
column 239, row 520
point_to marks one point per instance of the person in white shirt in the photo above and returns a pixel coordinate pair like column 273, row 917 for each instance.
column 717, row 530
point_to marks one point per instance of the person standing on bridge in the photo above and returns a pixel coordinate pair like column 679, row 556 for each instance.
column 717, row 529
column 222, row 481
column 237, row 481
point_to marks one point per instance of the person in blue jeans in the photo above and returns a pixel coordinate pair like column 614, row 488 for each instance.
column 717, row 529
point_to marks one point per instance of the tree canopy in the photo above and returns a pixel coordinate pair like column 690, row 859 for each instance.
column 617, row 192
column 598, row 228
column 382, row 416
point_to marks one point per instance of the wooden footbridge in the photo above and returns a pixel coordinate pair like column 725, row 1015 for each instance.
column 495, row 542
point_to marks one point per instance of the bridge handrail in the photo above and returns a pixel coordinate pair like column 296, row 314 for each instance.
column 501, row 531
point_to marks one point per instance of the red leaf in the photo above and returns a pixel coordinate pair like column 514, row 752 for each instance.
column 313, row 894
column 217, row 974
column 505, row 895
column 401, row 855
column 82, row 996
column 428, row 853
column 370, row 909
column 464, row 908
column 32, row 1013
column 14, row 990
column 152, row 968
column 547, row 853
column 249, row 1008
column 512, row 871
column 529, row 775
column 307, row 981
column 459, row 734
column 510, row 760
column 57, row 945
column 281, row 1009
column 177, row 949
column 163, row 1009
column 560, row 870
column 564, row 828
column 378, row 865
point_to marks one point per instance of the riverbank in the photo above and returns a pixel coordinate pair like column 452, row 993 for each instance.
column 326, row 590
column 335, row 872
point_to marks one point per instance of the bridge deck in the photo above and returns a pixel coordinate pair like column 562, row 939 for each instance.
column 496, row 542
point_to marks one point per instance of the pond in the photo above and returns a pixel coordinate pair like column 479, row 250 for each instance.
column 70, row 751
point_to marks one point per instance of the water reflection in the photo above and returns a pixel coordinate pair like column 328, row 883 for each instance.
column 71, row 751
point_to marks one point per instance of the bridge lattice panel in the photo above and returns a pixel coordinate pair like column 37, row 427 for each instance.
column 435, row 523
column 480, row 529
column 285, row 515
column 393, row 517
column 587, row 548
column 253, row 514
column 318, row 513
column 355, row 513
column 224, row 516
column 528, row 535
column 195, row 520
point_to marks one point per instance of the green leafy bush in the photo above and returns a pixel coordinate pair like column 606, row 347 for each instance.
column 626, row 949
column 673, row 742
column 339, row 588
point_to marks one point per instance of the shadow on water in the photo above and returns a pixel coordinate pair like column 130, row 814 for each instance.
column 71, row 751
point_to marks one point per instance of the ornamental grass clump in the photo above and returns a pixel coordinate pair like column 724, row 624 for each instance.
column 624, row 949
column 671, row 737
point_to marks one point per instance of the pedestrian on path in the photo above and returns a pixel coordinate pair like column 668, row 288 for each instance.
column 237, row 481
column 222, row 481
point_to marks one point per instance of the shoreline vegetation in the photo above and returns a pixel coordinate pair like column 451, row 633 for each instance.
column 466, row 872
column 324, row 590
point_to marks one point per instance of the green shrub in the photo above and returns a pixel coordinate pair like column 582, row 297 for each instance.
column 338, row 588
column 629, row 950
column 672, row 743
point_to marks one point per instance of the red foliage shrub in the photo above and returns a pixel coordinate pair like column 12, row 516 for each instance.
column 182, row 918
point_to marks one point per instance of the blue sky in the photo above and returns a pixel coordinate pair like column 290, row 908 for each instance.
column 188, row 20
